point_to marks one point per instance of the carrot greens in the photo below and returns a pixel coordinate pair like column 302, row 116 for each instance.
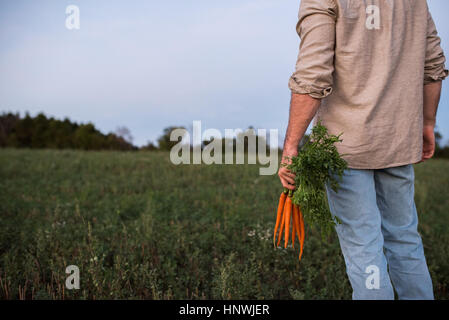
column 317, row 163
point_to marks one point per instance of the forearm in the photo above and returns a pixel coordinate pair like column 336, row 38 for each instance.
column 302, row 110
column 432, row 92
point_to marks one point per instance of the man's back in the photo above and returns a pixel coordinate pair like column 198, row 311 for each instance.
column 368, row 61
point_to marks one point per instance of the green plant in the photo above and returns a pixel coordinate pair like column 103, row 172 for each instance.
column 318, row 163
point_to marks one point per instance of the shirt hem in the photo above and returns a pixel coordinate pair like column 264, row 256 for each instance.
column 395, row 164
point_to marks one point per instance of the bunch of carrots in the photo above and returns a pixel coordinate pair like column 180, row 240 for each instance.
column 288, row 214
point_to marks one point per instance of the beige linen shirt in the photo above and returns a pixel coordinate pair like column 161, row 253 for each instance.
column 368, row 61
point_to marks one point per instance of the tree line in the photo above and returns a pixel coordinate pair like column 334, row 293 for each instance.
column 164, row 142
column 42, row 132
column 47, row 132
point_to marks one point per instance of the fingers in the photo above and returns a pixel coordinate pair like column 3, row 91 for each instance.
column 287, row 185
column 289, row 174
column 427, row 154
column 287, row 178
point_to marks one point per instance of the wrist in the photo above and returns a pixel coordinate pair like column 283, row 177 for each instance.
column 429, row 123
column 287, row 154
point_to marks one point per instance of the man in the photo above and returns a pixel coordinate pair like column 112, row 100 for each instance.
column 373, row 70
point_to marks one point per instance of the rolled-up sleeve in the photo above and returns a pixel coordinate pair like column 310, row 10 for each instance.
column 434, row 69
column 315, row 64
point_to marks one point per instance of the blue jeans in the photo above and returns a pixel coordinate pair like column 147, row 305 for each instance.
column 378, row 234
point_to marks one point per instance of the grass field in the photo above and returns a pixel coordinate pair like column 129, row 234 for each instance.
column 139, row 227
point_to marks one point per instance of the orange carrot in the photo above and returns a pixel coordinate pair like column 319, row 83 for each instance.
column 287, row 216
column 296, row 222
column 279, row 213
column 294, row 217
column 282, row 226
column 301, row 222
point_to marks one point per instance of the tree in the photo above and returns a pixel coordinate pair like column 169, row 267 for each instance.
column 8, row 122
column 124, row 133
column 150, row 146
column 164, row 142
column 440, row 151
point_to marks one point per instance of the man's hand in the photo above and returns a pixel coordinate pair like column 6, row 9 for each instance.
column 286, row 176
column 432, row 92
column 428, row 148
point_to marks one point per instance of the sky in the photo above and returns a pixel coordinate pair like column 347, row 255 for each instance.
column 152, row 64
